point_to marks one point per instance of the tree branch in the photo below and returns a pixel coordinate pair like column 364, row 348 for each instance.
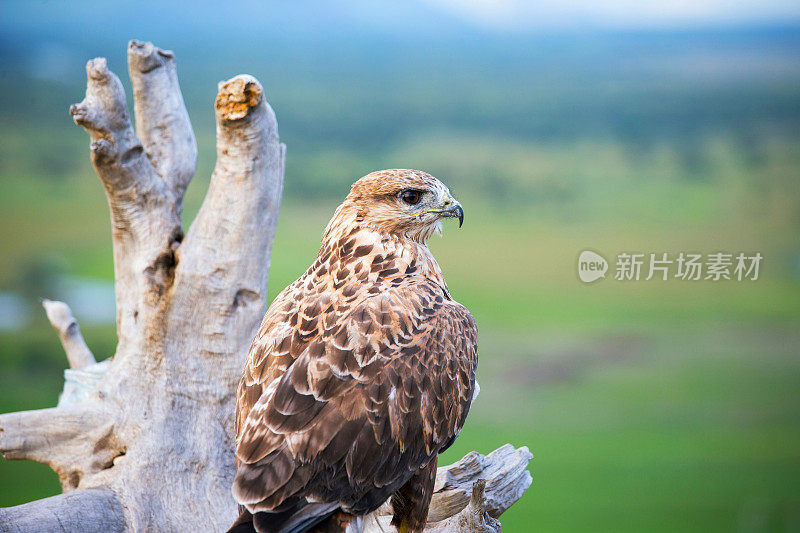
column 84, row 511
column 162, row 122
column 73, row 440
column 229, row 244
column 505, row 471
column 117, row 154
column 60, row 316
column 471, row 494
column 473, row 518
column 145, row 212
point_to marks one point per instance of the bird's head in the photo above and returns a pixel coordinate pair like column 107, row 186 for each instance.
column 403, row 202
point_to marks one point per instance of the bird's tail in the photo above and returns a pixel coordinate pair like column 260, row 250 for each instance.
column 310, row 518
column 340, row 522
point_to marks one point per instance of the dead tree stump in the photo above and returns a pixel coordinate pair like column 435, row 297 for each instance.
column 144, row 441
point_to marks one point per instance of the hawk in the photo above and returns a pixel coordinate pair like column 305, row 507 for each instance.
column 361, row 373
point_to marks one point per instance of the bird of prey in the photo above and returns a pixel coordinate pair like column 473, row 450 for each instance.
column 361, row 373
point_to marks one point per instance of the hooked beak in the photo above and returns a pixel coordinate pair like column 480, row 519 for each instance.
column 455, row 211
column 451, row 209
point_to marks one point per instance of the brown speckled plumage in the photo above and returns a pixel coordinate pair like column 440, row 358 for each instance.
column 362, row 371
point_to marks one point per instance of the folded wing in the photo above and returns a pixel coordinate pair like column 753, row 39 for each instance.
column 343, row 403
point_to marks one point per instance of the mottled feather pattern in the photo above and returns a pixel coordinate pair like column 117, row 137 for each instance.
column 362, row 371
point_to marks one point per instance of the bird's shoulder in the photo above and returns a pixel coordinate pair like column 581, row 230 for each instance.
column 362, row 295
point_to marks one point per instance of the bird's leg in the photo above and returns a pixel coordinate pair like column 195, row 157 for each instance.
column 410, row 503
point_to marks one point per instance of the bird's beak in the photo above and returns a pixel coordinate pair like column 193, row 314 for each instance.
column 456, row 211
column 450, row 209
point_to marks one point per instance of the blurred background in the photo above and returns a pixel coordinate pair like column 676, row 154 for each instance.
column 613, row 126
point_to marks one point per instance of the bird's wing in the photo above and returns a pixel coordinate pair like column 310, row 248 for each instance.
column 383, row 386
column 275, row 346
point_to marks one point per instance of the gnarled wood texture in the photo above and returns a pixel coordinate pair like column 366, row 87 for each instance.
column 143, row 442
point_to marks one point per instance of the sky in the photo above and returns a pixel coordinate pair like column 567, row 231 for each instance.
column 537, row 15
column 393, row 16
column 51, row 36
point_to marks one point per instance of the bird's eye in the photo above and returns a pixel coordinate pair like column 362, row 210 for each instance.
column 411, row 197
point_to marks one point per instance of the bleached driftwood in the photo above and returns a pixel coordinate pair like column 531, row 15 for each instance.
column 143, row 442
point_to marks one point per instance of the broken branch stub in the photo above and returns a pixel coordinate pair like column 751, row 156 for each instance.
column 60, row 316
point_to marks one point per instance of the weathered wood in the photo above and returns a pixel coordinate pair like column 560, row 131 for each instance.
column 471, row 494
column 87, row 510
column 60, row 316
column 62, row 438
column 161, row 118
column 143, row 441
column 474, row 517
